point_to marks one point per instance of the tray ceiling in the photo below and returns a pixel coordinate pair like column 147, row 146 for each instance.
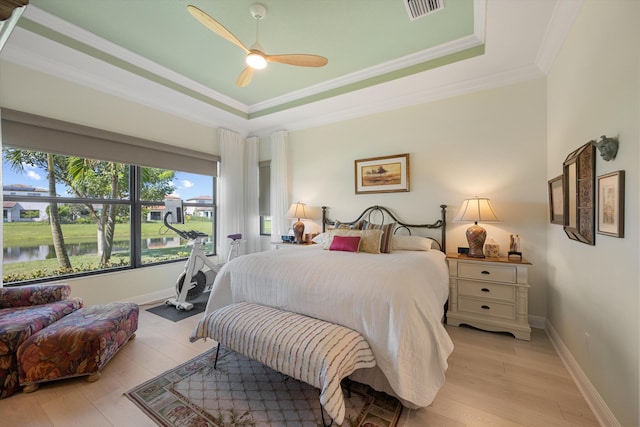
column 155, row 52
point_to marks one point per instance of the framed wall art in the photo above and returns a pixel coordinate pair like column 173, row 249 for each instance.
column 388, row 174
column 579, row 182
column 611, row 204
column 556, row 201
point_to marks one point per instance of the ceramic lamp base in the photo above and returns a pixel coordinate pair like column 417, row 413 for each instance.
column 298, row 232
column 476, row 236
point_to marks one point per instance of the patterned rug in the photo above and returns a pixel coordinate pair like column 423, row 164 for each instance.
column 245, row 393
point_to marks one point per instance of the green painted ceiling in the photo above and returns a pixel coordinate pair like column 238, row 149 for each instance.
column 353, row 34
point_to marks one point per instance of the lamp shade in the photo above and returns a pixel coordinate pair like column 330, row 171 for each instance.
column 476, row 209
column 298, row 211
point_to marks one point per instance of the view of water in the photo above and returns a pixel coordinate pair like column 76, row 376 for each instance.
column 36, row 253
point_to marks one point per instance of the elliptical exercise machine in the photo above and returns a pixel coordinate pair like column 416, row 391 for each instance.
column 196, row 261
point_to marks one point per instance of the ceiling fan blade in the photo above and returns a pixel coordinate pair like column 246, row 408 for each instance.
column 299, row 59
column 215, row 26
column 245, row 77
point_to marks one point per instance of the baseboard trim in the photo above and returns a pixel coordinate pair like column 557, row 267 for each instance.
column 153, row 297
column 537, row 322
column 600, row 409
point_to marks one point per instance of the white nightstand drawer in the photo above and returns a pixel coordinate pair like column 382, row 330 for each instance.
column 493, row 273
column 487, row 308
column 487, row 290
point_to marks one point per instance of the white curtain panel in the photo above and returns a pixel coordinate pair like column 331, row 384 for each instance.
column 231, row 209
column 251, row 197
column 279, row 185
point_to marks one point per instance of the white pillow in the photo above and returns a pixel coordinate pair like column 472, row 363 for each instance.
column 411, row 243
column 321, row 238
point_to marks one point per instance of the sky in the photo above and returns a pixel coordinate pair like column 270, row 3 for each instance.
column 186, row 185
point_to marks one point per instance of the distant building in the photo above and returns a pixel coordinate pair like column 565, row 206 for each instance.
column 24, row 211
column 204, row 211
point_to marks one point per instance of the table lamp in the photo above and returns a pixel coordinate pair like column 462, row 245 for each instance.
column 298, row 211
column 476, row 209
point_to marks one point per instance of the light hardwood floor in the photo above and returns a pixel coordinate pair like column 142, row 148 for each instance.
column 492, row 380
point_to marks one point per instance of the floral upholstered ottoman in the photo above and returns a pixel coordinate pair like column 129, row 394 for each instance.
column 78, row 344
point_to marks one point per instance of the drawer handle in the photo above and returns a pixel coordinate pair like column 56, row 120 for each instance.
column 486, row 307
column 485, row 290
column 484, row 272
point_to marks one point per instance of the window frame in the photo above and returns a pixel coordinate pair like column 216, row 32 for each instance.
column 135, row 205
column 264, row 196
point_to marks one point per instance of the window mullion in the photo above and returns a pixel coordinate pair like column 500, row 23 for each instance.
column 136, row 215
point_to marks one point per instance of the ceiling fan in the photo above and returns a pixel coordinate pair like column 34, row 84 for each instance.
column 256, row 58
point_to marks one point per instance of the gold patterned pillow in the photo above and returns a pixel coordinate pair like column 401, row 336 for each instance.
column 387, row 233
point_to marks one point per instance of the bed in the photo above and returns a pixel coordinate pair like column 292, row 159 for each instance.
column 395, row 300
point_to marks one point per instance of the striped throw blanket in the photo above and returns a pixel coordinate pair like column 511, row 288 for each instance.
column 314, row 351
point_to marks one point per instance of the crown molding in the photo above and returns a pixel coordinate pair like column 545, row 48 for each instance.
column 450, row 48
column 559, row 26
column 43, row 55
column 455, row 46
column 74, row 32
column 46, row 56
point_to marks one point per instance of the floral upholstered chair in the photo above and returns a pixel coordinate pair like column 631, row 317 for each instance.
column 24, row 310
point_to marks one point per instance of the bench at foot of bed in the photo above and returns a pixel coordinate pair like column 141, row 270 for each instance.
column 314, row 351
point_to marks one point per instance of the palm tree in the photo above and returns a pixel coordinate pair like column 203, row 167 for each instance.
column 53, row 164
column 54, row 218
column 107, row 180
column 97, row 179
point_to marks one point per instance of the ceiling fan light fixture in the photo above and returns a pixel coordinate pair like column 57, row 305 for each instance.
column 256, row 60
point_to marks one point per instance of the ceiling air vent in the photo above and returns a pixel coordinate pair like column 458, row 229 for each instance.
column 419, row 8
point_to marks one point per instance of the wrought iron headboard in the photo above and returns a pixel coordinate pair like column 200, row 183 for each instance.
column 366, row 214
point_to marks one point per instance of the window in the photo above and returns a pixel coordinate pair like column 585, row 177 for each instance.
column 86, row 224
column 65, row 215
column 197, row 193
column 264, row 178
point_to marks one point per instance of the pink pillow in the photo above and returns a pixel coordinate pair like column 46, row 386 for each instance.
column 345, row 243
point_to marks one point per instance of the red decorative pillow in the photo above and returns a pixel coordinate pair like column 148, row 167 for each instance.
column 345, row 243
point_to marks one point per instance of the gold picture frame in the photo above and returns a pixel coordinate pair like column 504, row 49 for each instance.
column 387, row 174
column 611, row 204
column 556, row 201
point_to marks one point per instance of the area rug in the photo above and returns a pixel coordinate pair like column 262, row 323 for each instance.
column 170, row 312
column 241, row 392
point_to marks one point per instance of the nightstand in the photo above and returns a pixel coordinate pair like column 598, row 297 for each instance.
column 278, row 245
column 490, row 294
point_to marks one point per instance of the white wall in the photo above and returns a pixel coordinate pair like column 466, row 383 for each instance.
column 490, row 143
column 593, row 89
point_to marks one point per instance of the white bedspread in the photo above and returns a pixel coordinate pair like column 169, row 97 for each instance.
column 394, row 300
